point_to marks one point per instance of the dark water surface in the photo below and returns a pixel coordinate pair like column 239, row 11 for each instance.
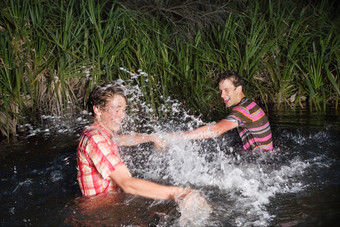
column 298, row 185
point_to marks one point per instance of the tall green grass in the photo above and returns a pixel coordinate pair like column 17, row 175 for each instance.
column 52, row 53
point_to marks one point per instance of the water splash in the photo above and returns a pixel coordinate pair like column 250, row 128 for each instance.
column 248, row 181
column 238, row 186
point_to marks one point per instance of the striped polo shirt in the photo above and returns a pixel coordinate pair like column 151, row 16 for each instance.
column 253, row 125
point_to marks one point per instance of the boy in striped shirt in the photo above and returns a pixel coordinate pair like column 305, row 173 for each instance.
column 246, row 116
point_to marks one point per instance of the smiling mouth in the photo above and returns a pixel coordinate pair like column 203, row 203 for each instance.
column 226, row 100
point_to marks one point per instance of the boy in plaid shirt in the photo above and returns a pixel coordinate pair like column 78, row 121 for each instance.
column 100, row 168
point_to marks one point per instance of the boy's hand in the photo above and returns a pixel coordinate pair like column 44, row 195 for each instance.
column 159, row 143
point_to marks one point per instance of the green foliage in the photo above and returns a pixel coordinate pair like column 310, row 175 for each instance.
column 52, row 53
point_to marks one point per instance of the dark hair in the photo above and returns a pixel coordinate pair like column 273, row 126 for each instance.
column 101, row 94
column 231, row 75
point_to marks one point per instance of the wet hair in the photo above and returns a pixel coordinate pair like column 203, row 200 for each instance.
column 101, row 94
column 232, row 76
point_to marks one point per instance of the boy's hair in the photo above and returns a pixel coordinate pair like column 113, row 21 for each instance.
column 231, row 75
column 101, row 94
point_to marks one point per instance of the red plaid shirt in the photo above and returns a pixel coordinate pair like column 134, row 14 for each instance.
column 97, row 158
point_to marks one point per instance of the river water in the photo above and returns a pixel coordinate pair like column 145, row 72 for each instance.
column 295, row 185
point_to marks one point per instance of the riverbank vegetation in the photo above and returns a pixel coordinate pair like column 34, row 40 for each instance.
column 52, row 53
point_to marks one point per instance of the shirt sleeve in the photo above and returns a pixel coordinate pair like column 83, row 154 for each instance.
column 104, row 155
column 239, row 115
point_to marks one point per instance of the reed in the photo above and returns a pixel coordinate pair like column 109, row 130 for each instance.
column 290, row 39
column 52, row 53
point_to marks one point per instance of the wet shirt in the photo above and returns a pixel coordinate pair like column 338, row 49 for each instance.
column 253, row 125
column 97, row 158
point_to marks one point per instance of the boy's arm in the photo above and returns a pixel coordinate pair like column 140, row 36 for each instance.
column 135, row 139
column 205, row 132
column 146, row 188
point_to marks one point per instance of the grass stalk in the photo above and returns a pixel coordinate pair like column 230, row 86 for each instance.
column 52, row 53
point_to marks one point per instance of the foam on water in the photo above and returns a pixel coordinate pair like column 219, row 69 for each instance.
column 249, row 185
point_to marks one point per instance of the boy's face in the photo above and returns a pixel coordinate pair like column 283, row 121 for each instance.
column 229, row 93
column 113, row 114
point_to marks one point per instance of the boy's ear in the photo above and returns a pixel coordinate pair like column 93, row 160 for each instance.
column 239, row 88
column 96, row 111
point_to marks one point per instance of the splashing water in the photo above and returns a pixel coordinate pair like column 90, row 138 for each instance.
column 240, row 188
column 246, row 182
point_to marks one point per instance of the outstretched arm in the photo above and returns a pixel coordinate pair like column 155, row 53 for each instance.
column 145, row 188
column 135, row 139
column 205, row 132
